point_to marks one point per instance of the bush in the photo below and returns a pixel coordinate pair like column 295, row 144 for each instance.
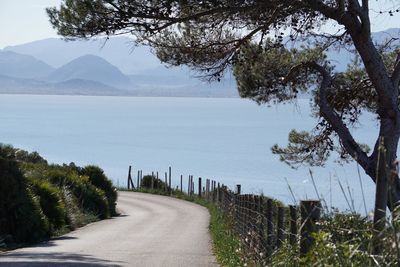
column 9, row 152
column 147, row 179
column 21, row 216
column 51, row 202
column 89, row 197
column 93, row 200
column 99, row 179
column 38, row 200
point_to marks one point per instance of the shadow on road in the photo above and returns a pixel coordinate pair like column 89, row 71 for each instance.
column 51, row 242
column 19, row 259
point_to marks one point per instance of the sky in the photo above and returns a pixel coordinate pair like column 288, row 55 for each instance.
column 23, row 21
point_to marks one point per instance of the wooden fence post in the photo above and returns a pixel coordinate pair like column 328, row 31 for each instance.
column 138, row 180
column 219, row 193
column 166, row 182
column 238, row 189
column 310, row 214
column 170, row 184
column 181, row 182
column 188, row 189
column 157, row 179
column 206, row 189
column 200, row 187
column 209, row 189
column 152, row 180
column 214, row 191
column 293, row 225
column 280, row 235
column 129, row 177
column 141, row 178
column 192, row 185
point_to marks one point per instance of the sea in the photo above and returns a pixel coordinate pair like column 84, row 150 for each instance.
column 225, row 139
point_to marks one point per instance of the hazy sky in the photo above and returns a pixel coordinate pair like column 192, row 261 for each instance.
column 23, row 21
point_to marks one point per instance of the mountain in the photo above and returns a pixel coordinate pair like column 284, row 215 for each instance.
column 12, row 85
column 116, row 63
column 93, row 68
column 119, row 51
column 22, row 66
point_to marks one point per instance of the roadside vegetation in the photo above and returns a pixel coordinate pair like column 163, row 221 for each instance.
column 343, row 238
column 39, row 200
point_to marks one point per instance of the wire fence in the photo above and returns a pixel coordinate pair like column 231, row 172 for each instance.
column 262, row 224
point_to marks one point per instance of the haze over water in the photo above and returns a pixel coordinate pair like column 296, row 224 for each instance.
column 218, row 138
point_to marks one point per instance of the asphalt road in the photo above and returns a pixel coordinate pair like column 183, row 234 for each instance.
column 151, row 231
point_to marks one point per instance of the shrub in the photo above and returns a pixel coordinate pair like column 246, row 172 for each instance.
column 99, row 179
column 89, row 197
column 147, row 180
column 21, row 216
column 9, row 152
column 50, row 201
column 38, row 199
column 93, row 200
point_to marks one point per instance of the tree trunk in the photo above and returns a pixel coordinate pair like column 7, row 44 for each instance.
column 390, row 145
column 388, row 111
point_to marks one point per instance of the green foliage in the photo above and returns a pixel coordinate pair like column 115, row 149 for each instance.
column 227, row 246
column 99, row 179
column 264, row 78
column 94, row 200
column 148, row 179
column 287, row 256
column 75, row 216
column 9, row 152
column 303, row 148
column 38, row 200
column 326, row 252
column 89, row 197
column 343, row 240
column 21, row 217
column 50, row 202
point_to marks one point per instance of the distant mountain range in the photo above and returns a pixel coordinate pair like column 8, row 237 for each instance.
column 113, row 67
column 90, row 74
column 23, row 66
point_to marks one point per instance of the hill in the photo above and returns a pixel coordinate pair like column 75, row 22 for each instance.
column 93, row 68
column 23, row 66
column 12, row 85
column 114, row 65
column 119, row 51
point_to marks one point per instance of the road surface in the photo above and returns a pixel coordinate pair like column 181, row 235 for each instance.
column 151, row 231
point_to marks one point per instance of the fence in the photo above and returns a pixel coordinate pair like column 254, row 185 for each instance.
column 263, row 224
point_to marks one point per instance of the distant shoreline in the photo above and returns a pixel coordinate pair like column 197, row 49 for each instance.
column 114, row 95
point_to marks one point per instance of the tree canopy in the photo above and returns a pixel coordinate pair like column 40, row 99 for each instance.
column 253, row 38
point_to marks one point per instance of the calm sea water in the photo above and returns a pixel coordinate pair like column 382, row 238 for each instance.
column 224, row 139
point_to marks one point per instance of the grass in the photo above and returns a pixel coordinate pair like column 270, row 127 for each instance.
column 344, row 239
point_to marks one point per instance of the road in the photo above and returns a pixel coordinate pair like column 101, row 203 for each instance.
column 151, row 231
